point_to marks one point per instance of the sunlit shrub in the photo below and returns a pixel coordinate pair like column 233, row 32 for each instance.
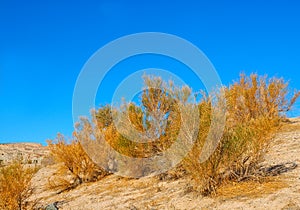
column 254, row 109
column 75, row 166
column 15, row 187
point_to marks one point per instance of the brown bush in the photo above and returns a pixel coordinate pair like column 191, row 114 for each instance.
column 15, row 186
column 156, row 112
column 75, row 166
column 254, row 109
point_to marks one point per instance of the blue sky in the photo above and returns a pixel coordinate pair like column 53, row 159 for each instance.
column 44, row 45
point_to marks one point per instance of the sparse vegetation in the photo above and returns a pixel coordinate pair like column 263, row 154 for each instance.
column 15, row 186
column 75, row 166
column 254, row 109
column 149, row 128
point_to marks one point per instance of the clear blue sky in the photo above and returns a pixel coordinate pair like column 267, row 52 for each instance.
column 44, row 45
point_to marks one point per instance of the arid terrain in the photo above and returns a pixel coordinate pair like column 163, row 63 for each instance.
column 31, row 153
column 113, row 192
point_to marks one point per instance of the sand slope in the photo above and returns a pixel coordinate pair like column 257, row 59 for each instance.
column 114, row 192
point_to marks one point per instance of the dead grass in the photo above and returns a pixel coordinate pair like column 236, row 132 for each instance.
column 251, row 189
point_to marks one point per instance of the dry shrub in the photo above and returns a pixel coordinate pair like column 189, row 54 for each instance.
column 253, row 97
column 254, row 109
column 143, row 130
column 139, row 131
column 75, row 166
column 15, row 186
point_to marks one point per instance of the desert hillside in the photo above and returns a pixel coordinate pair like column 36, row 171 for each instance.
column 31, row 153
column 280, row 191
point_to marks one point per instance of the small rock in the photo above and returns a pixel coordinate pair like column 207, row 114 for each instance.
column 52, row 206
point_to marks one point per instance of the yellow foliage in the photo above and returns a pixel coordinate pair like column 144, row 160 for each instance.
column 15, row 186
column 254, row 108
column 75, row 166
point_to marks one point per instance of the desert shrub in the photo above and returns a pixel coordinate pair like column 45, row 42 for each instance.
column 154, row 119
column 254, row 108
column 15, row 186
column 75, row 166
column 134, row 130
column 253, row 97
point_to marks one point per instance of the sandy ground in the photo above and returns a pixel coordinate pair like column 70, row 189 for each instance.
column 114, row 192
